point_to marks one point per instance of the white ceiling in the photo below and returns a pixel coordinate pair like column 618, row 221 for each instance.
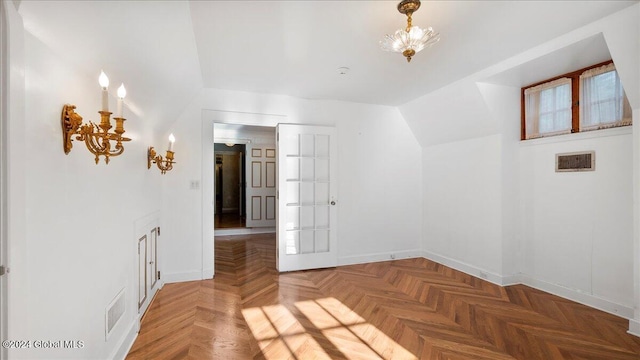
column 579, row 55
column 295, row 47
column 166, row 51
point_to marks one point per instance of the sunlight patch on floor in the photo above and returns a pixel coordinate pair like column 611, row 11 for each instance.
column 280, row 334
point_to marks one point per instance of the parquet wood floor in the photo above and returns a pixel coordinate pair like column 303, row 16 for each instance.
column 403, row 309
column 228, row 221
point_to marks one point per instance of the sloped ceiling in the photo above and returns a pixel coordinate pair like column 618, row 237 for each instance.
column 295, row 47
column 166, row 51
column 148, row 45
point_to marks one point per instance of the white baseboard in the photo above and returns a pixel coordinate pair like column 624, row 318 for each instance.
column 515, row 279
column 244, row 231
column 127, row 341
column 123, row 348
column 509, row 280
column 634, row 327
column 579, row 297
column 207, row 274
column 377, row 257
column 465, row 268
column 182, row 277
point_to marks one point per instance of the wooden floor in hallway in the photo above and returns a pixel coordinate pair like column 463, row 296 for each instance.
column 229, row 221
column 402, row 309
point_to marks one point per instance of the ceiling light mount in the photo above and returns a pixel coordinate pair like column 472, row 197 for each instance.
column 411, row 40
column 408, row 7
column 343, row 70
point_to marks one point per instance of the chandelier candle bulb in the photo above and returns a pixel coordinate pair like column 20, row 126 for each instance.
column 122, row 92
column 103, row 80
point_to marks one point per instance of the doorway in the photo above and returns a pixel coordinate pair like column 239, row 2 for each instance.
column 230, row 189
column 220, row 126
column 244, row 179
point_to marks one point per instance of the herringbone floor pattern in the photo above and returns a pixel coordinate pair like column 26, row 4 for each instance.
column 403, row 309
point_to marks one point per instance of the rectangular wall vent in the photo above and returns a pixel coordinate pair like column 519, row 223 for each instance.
column 114, row 312
column 578, row 161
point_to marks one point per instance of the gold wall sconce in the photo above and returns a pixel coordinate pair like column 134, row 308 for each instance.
column 96, row 137
column 164, row 164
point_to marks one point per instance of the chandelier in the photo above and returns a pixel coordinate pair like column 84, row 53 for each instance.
column 411, row 40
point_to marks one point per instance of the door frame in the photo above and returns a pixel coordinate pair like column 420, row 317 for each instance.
column 208, row 198
column 4, row 118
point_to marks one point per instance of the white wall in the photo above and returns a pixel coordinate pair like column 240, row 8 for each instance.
column 494, row 207
column 503, row 104
column 379, row 176
column 578, row 227
column 462, row 203
column 75, row 249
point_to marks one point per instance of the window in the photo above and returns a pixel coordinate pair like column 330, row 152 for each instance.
column 548, row 108
column 602, row 99
column 587, row 99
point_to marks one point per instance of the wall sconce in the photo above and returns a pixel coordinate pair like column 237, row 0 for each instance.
column 97, row 137
column 165, row 164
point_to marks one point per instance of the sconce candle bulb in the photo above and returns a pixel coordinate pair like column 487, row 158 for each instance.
column 103, row 80
column 122, row 92
column 172, row 139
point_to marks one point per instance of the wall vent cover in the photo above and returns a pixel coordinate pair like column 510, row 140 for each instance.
column 114, row 312
column 577, row 161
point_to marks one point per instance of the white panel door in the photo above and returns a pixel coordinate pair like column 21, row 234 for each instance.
column 307, row 189
column 261, row 185
column 142, row 273
column 148, row 272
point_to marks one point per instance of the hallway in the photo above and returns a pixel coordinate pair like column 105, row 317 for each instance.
column 403, row 309
column 229, row 221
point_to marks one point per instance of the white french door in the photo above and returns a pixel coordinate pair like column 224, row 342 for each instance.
column 307, row 195
column 261, row 185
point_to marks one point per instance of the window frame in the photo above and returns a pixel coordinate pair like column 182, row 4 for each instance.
column 575, row 99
